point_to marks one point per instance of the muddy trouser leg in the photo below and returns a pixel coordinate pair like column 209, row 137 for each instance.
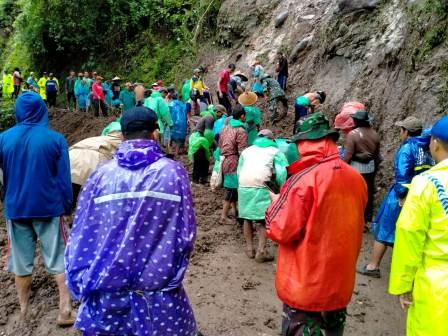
column 300, row 323
column 104, row 108
column 370, row 181
column 272, row 106
column 200, row 165
column 96, row 107
column 225, row 102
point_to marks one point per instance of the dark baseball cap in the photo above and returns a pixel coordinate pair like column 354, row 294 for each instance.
column 138, row 119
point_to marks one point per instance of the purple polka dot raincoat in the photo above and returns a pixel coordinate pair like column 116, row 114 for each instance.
column 130, row 245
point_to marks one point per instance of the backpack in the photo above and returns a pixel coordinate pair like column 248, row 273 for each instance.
column 51, row 86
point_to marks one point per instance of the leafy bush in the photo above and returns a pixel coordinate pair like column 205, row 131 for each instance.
column 58, row 34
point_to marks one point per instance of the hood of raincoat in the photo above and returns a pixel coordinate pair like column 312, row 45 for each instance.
column 31, row 110
column 137, row 154
column 312, row 152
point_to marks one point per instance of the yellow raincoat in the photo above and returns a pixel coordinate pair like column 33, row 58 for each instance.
column 7, row 85
column 42, row 84
column 420, row 257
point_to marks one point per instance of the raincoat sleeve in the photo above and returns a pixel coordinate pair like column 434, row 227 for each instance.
column 165, row 113
column 404, row 170
column 63, row 169
column 410, row 236
column 280, row 165
column 288, row 215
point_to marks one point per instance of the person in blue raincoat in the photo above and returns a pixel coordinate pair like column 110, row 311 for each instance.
column 178, row 110
column 413, row 158
column 82, row 90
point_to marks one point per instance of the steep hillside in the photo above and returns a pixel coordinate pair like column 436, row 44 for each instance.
column 390, row 55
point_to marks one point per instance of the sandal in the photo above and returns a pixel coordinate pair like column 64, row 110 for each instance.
column 375, row 273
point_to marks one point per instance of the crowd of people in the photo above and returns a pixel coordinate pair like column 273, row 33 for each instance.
column 115, row 217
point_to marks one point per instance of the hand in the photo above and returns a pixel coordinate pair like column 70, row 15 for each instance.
column 405, row 300
column 273, row 197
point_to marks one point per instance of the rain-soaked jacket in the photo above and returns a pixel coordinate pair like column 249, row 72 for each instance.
column 35, row 162
column 156, row 103
column 87, row 154
column 420, row 257
column 130, row 245
column 258, row 164
column 7, row 85
column 413, row 157
column 318, row 223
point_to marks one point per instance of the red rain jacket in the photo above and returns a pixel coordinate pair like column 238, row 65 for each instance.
column 98, row 92
column 318, row 222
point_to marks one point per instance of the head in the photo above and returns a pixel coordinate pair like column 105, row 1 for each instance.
column 129, row 86
column 164, row 92
column 231, row 68
column 72, row 73
column 86, row 74
column 239, row 113
column 31, row 109
column 51, row 75
column 139, row 123
column 99, row 79
column 315, row 126
column 220, row 111
column 16, row 69
column 266, row 133
column 362, row 119
column 80, row 74
column 197, row 72
column 32, row 74
column 321, row 96
column 45, row 75
column 279, row 54
column 139, row 92
column 410, row 127
column 439, row 140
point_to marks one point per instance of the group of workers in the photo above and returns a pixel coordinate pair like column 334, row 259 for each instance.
column 134, row 224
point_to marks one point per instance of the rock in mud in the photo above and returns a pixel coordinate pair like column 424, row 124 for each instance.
column 301, row 46
column 280, row 19
column 347, row 6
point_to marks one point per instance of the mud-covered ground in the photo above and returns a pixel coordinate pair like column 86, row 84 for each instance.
column 231, row 294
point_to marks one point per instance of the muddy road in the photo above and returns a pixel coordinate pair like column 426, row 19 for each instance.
column 231, row 295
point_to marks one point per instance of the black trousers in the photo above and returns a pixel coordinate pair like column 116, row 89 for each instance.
column 370, row 181
column 51, row 98
column 97, row 104
column 225, row 101
column 15, row 94
column 200, row 166
column 301, row 323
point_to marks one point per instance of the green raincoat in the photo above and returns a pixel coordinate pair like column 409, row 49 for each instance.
column 196, row 142
column 420, row 256
column 114, row 126
column 253, row 120
column 258, row 164
column 156, row 103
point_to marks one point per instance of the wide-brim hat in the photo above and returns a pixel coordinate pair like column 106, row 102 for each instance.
column 247, row 98
column 314, row 127
column 116, row 78
column 243, row 77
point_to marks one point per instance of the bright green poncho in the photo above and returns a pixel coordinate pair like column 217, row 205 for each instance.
column 196, row 142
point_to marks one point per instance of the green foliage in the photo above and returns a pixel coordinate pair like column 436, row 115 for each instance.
column 429, row 19
column 7, row 116
column 56, row 35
